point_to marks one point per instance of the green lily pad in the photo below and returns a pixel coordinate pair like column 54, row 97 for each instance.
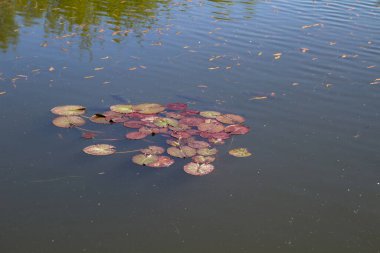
column 182, row 152
column 122, row 108
column 207, row 151
column 100, row 149
column 239, row 152
column 210, row 114
column 203, row 159
column 69, row 110
column 142, row 159
column 68, row 121
column 165, row 122
column 149, row 108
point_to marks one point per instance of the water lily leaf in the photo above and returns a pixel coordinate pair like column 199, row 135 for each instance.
column 99, row 118
column 174, row 115
column 211, row 127
column 236, row 129
column 220, row 135
column 165, row 122
column 136, row 135
column 134, row 124
column 174, row 143
column 189, row 112
column 198, row 144
column 68, row 121
column 207, row 151
column 100, row 149
column 230, row 119
column 176, row 106
column 210, row 114
column 196, row 169
column 180, row 135
column 162, row 161
column 149, row 108
column 203, row 159
column 239, row 152
column 69, row 110
column 216, row 141
column 179, row 127
column 142, row 159
column 122, row 108
column 181, row 152
column 153, row 150
column 191, row 121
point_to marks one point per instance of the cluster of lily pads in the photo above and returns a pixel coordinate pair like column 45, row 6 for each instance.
column 190, row 133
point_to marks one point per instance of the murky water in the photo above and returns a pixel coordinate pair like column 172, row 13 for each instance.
column 313, row 184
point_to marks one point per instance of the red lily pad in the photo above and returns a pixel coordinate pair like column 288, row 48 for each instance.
column 176, row 106
column 203, row 159
column 162, row 161
column 136, row 135
column 197, row 169
column 211, row 127
column 174, row 115
column 99, row 119
column 230, row 119
column 192, row 121
column 88, row 135
column 180, row 135
column 207, row 151
column 236, row 129
column 189, row 112
column 134, row 124
column 216, row 141
column 198, row 144
column 149, row 108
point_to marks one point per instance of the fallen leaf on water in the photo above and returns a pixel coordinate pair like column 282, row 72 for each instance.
column 88, row 77
column 2, row 92
column 313, row 25
column 132, row 68
column 258, row 98
column 100, row 68
column 51, row 69
column 371, row 67
column 304, row 49
column 213, row 68
column 100, row 149
column 239, row 152
column 277, row 56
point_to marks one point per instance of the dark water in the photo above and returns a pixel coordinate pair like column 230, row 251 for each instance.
column 313, row 184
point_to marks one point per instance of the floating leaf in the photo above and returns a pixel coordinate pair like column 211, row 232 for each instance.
column 122, row 108
column 203, row 159
column 69, row 110
column 100, row 149
column 142, row 159
column 192, row 121
column 230, row 119
column 196, row 169
column 149, row 108
column 207, row 151
column 164, row 122
column 211, row 127
column 134, row 124
column 210, row 114
column 181, row 152
column 153, row 150
column 236, row 129
column 136, row 135
column 162, row 161
column 99, row 118
column 198, row 144
column 176, row 106
column 68, row 121
column 239, row 152
column 174, row 115
column 181, row 135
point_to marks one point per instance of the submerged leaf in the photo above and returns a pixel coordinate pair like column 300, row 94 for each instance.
column 196, row 169
column 100, row 149
column 68, row 121
column 69, row 110
column 239, row 152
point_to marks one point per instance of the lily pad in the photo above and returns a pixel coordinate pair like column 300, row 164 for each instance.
column 207, row 151
column 162, row 161
column 165, row 122
column 196, row 169
column 182, row 152
column 136, row 135
column 239, row 152
column 122, row 108
column 230, row 119
column 142, row 159
column 68, row 121
column 198, row 144
column 203, row 159
column 100, row 149
column 174, row 115
column 236, row 129
column 153, row 150
column 99, row 118
column 180, row 135
column 134, row 124
column 69, row 110
column 149, row 108
column 210, row 114
column 211, row 127
column 176, row 106
column 191, row 121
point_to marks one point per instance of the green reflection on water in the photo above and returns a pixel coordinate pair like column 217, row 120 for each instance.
column 85, row 17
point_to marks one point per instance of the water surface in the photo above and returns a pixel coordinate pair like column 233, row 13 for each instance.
column 313, row 184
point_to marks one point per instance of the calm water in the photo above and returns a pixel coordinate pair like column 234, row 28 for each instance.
column 313, row 184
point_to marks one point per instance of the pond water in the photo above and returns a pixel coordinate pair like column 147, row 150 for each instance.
column 304, row 74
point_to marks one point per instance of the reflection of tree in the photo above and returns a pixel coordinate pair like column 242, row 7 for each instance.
column 226, row 8
column 84, row 17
